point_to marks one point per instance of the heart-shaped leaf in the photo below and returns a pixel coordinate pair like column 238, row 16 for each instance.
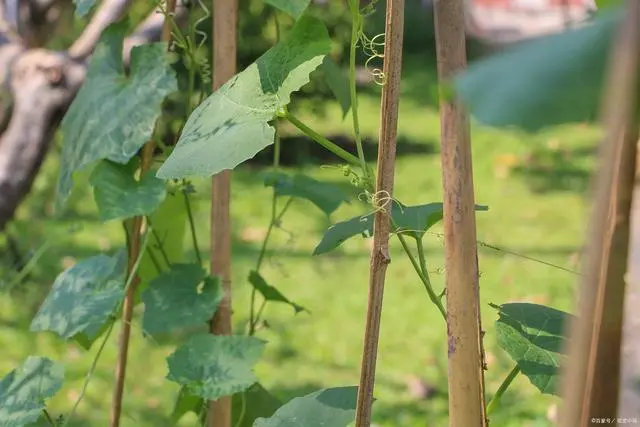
column 114, row 113
column 179, row 298
column 231, row 125
column 331, row 407
column 213, row 366
column 410, row 220
column 83, row 297
column 533, row 335
column 527, row 86
column 118, row 194
column 324, row 195
column 270, row 293
column 24, row 390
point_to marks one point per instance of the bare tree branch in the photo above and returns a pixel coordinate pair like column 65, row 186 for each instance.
column 108, row 13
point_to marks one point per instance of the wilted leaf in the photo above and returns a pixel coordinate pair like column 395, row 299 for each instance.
column 231, row 125
column 533, row 335
column 180, row 298
column 527, row 86
column 324, row 195
column 113, row 114
column 24, row 390
column 294, row 8
column 331, row 407
column 270, row 293
column 213, row 366
column 83, row 297
column 338, row 82
column 118, row 194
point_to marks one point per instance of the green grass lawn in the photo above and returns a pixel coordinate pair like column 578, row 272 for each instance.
column 535, row 186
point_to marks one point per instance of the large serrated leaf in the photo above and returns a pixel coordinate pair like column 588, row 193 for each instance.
column 293, row 8
column 118, row 194
column 83, row 297
column 231, row 125
column 169, row 223
column 533, row 335
column 213, row 366
column 270, row 293
column 326, row 196
column 113, row 114
column 331, row 407
column 338, row 82
column 529, row 87
column 24, row 390
column 410, row 220
column 180, row 298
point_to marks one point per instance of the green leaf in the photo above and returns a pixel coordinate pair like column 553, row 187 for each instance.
column 118, row 194
column 231, row 125
column 293, row 8
column 250, row 404
column 186, row 403
column 331, row 407
column 83, row 7
column 533, row 335
column 213, row 366
column 169, row 226
column 529, row 87
column 24, row 390
column 180, row 298
column 605, row 4
column 270, row 293
column 83, row 297
column 324, row 195
column 113, row 114
column 338, row 82
column 410, row 220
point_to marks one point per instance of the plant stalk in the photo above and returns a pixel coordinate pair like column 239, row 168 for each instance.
column 465, row 350
column 356, row 27
column 134, row 251
column 591, row 381
column 225, row 22
column 380, row 258
column 493, row 404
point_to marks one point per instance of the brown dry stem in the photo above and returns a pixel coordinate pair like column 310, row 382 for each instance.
column 380, row 257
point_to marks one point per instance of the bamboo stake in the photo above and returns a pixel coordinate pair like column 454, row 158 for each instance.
column 591, row 379
column 134, row 250
column 225, row 18
column 466, row 374
column 380, row 257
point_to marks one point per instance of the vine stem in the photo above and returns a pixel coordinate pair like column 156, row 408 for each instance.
column 493, row 404
column 380, row 257
column 465, row 349
column 225, row 22
column 134, row 250
column 422, row 272
column 331, row 146
column 356, row 27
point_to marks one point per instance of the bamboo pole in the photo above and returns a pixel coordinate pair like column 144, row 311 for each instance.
column 225, row 19
column 590, row 383
column 466, row 374
column 134, row 250
column 380, row 258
